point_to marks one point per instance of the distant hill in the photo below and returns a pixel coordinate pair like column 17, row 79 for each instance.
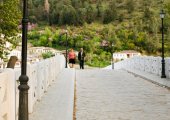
column 78, row 12
column 123, row 24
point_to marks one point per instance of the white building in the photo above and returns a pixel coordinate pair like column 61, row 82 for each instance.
column 16, row 53
column 40, row 50
column 32, row 51
column 125, row 54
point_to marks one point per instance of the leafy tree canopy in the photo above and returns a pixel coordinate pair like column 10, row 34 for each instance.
column 9, row 20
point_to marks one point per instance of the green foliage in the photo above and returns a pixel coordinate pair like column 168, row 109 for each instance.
column 130, row 6
column 100, row 60
column 107, row 17
column 47, row 55
column 128, row 24
column 41, row 38
column 9, row 20
column 68, row 15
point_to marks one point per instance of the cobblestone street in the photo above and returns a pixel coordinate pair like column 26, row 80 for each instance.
column 118, row 95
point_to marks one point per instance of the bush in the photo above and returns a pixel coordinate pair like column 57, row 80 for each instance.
column 47, row 55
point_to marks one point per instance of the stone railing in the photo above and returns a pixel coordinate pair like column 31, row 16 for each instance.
column 40, row 74
column 147, row 64
column 7, row 95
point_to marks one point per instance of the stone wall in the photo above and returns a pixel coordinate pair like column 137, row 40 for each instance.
column 41, row 75
column 7, row 95
column 147, row 64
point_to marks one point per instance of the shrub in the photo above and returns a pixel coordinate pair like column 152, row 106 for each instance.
column 47, row 55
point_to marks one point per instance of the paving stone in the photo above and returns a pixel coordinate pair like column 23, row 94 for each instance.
column 119, row 95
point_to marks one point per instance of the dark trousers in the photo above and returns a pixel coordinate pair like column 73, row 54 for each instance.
column 81, row 64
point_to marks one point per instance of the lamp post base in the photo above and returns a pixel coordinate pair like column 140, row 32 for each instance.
column 163, row 68
column 163, row 76
column 66, row 63
column 112, row 65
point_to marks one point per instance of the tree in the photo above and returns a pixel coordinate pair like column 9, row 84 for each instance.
column 47, row 8
column 99, row 8
column 107, row 17
column 68, row 15
column 130, row 6
column 90, row 14
column 9, row 20
column 81, row 13
column 110, row 14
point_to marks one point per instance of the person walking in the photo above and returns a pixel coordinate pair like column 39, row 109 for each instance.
column 81, row 56
column 71, row 57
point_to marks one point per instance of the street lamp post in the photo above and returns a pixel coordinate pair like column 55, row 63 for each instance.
column 162, row 14
column 23, row 87
column 66, row 48
column 112, row 56
column 112, row 61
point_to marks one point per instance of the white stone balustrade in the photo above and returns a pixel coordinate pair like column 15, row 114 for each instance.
column 147, row 64
column 7, row 95
column 167, row 68
column 40, row 74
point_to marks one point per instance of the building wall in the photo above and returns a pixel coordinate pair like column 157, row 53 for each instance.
column 122, row 56
column 15, row 53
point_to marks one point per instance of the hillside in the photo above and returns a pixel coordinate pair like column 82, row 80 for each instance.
column 122, row 24
column 77, row 12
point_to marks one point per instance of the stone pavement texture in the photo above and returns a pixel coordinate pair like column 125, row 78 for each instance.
column 148, row 76
column 151, row 77
column 119, row 95
column 57, row 103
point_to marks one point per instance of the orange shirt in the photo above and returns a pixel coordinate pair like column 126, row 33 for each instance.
column 71, row 55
